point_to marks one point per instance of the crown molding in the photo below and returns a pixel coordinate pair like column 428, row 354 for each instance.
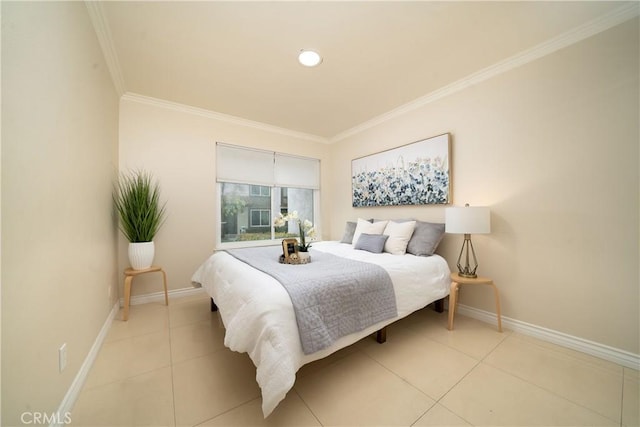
column 582, row 32
column 174, row 106
column 101, row 27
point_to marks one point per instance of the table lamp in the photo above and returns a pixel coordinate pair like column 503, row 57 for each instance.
column 467, row 220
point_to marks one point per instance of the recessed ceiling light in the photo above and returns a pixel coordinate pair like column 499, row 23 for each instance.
column 309, row 58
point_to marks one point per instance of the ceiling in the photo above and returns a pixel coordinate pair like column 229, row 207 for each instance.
column 240, row 58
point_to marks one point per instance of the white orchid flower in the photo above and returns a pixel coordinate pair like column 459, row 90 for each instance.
column 280, row 220
column 311, row 233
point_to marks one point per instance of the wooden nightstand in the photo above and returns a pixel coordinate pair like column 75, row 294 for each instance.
column 129, row 274
column 456, row 281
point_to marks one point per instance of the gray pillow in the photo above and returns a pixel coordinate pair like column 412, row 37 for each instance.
column 425, row 239
column 371, row 242
column 349, row 230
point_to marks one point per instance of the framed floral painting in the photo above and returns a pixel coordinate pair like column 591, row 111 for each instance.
column 413, row 174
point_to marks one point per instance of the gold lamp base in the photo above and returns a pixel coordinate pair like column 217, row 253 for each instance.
column 467, row 270
column 466, row 274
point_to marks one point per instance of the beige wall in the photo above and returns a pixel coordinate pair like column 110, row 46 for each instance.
column 178, row 148
column 59, row 154
column 552, row 148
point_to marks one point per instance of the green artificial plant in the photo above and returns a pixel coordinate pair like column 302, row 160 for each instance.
column 137, row 200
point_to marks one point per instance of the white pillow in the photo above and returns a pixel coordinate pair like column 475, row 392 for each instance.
column 399, row 235
column 367, row 227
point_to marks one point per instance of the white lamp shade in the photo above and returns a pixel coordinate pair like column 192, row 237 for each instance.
column 467, row 220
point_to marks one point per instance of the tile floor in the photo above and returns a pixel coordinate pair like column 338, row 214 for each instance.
column 167, row 366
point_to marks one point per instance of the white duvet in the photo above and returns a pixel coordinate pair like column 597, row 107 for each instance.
column 259, row 318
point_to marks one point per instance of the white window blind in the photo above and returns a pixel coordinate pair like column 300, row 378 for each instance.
column 244, row 165
column 252, row 166
column 297, row 172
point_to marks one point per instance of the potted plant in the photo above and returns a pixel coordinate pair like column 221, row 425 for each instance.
column 137, row 200
column 305, row 229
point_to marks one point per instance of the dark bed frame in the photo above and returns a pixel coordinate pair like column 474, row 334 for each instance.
column 381, row 335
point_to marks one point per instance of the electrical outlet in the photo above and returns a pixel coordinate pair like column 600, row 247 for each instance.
column 62, row 357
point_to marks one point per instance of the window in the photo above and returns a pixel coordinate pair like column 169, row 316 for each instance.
column 255, row 185
column 260, row 190
column 260, row 217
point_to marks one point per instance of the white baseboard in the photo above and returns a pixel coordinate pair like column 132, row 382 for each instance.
column 70, row 398
column 72, row 394
column 159, row 296
column 612, row 354
column 602, row 351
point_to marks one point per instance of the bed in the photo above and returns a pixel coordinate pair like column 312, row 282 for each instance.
column 259, row 317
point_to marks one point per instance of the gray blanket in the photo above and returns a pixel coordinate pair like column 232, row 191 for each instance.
column 332, row 296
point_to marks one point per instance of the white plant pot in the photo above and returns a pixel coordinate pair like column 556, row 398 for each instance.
column 304, row 257
column 141, row 255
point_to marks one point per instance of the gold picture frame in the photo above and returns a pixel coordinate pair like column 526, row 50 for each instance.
column 289, row 247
